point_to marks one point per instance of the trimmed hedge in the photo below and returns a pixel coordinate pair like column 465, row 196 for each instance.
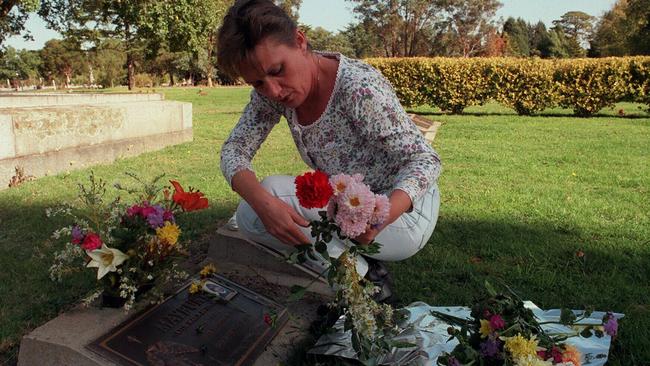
column 588, row 86
column 640, row 75
column 525, row 85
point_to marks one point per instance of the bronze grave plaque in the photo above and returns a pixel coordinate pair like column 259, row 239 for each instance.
column 226, row 328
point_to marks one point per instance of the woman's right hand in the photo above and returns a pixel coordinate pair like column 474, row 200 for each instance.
column 281, row 221
column 278, row 217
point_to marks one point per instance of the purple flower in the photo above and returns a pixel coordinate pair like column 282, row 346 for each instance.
column 77, row 235
column 610, row 324
column 490, row 348
column 169, row 216
column 155, row 216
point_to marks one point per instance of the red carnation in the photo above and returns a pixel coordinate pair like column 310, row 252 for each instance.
column 268, row 319
column 92, row 241
column 313, row 189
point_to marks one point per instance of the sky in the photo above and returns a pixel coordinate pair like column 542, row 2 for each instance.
column 334, row 15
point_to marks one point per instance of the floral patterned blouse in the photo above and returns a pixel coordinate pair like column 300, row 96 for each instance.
column 363, row 129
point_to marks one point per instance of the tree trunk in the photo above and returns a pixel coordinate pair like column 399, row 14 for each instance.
column 210, row 49
column 171, row 78
column 210, row 78
column 131, row 70
column 130, row 63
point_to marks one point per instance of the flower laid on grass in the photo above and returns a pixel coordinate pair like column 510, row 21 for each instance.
column 134, row 246
column 351, row 209
column 502, row 331
column 610, row 324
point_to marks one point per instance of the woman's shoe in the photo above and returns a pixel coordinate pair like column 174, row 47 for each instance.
column 378, row 274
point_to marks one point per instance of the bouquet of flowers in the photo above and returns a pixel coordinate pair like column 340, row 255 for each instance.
column 135, row 247
column 502, row 331
column 351, row 208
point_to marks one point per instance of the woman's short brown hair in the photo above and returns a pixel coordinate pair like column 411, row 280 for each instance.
column 245, row 25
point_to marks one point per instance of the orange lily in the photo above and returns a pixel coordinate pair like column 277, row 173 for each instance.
column 189, row 201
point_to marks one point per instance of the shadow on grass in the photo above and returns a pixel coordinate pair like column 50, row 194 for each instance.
column 549, row 115
column 29, row 297
column 541, row 263
column 536, row 260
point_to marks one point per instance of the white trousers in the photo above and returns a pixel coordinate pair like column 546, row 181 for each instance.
column 400, row 240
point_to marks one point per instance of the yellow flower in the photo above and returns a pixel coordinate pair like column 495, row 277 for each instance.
column 532, row 361
column 168, row 233
column 195, row 287
column 520, row 347
column 208, row 270
column 485, row 328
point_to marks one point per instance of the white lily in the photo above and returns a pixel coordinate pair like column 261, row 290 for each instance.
column 105, row 260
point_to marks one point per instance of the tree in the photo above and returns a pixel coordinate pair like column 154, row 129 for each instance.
column 558, row 44
column 540, row 40
column 495, row 45
column 611, row 34
column 13, row 15
column 95, row 20
column 470, row 22
column 518, row 38
column 187, row 26
column 403, row 27
column 108, row 60
column 363, row 43
column 291, row 7
column 577, row 25
column 62, row 58
column 639, row 14
column 23, row 64
column 322, row 39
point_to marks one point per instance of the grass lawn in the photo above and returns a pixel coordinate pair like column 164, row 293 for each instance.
column 520, row 196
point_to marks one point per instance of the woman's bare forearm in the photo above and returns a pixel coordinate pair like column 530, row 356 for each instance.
column 245, row 183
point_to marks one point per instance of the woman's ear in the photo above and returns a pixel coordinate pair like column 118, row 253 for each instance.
column 301, row 40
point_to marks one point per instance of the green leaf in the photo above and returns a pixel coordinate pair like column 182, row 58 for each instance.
column 567, row 317
column 297, row 293
column 490, row 289
column 402, row 344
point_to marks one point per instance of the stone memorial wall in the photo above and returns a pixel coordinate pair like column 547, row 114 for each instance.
column 45, row 134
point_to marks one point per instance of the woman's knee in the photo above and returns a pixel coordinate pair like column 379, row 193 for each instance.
column 277, row 184
column 247, row 219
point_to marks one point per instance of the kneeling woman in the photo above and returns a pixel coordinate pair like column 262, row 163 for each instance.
column 344, row 118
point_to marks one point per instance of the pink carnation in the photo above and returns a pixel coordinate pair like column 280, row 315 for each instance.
column 340, row 182
column 134, row 210
column 147, row 210
column 382, row 208
column 355, row 208
column 497, row 322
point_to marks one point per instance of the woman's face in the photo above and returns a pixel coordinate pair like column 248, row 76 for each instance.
column 281, row 73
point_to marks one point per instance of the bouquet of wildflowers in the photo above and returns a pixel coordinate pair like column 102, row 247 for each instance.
column 351, row 208
column 133, row 246
column 502, row 331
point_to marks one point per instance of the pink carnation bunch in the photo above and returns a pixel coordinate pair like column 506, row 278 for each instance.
column 354, row 206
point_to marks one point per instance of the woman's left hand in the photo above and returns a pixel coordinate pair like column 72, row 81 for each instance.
column 367, row 237
column 399, row 203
